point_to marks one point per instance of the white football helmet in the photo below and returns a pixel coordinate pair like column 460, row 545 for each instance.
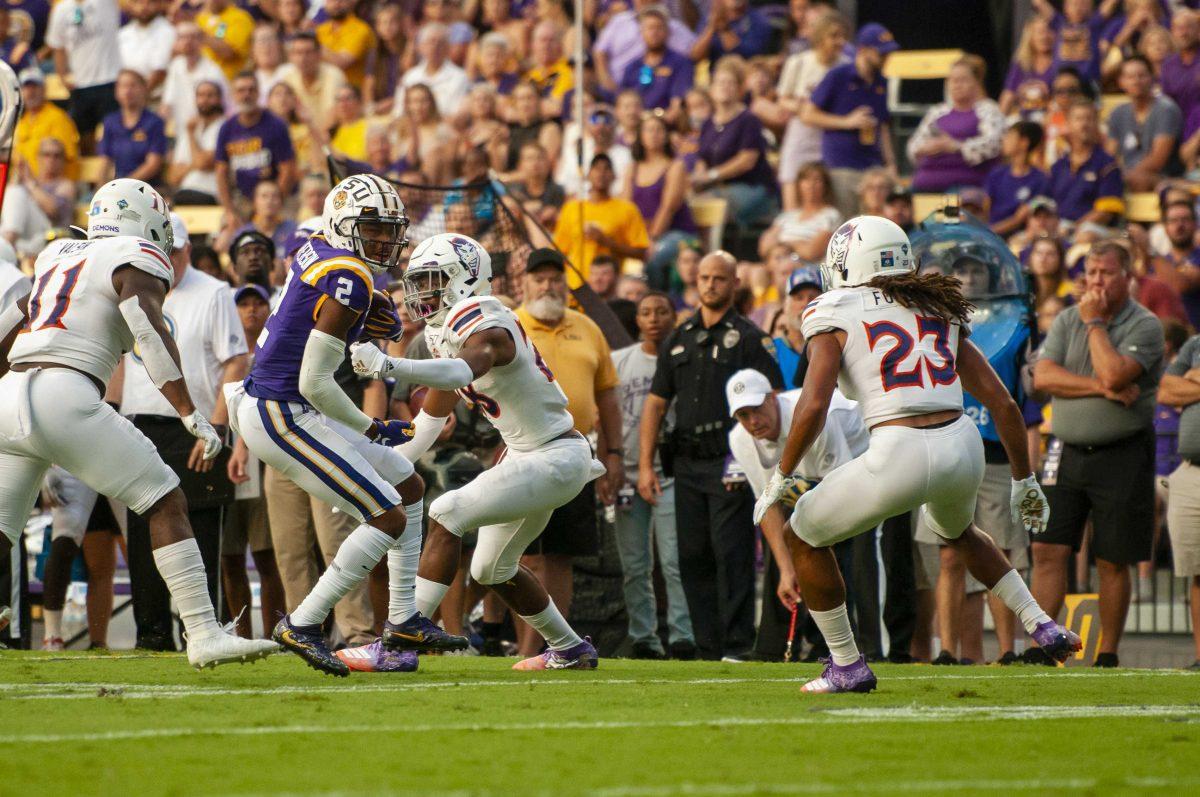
column 449, row 268
column 364, row 215
column 866, row 247
column 130, row 207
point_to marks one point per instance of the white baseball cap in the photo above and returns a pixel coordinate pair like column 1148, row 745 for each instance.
column 746, row 388
column 179, row 233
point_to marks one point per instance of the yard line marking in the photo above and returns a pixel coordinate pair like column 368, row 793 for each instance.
column 848, row 715
column 80, row 690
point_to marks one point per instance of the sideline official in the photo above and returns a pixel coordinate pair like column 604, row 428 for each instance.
column 713, row 508
column 203, row 319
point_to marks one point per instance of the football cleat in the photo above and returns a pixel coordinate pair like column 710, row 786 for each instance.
column 308, row 642
column 224, row 648
column 580, row 657
column 1055, row 641
column 421, row 634
column 856, row 677
column 374, row 657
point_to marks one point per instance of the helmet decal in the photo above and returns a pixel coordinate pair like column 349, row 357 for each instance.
column 468, row 255
column 839, row 245
column 339, row 200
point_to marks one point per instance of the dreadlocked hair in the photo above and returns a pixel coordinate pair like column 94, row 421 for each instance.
column 934, row 293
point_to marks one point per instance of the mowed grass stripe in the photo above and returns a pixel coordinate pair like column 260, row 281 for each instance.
column 840, row 716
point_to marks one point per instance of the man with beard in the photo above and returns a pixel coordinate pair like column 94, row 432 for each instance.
column 345, row 39
column 192, row 167
column 576, row 352
column 712, row 504
column 1180, row 268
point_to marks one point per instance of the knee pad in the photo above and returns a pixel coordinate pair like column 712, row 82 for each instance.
column 442, row 512
column 492, row 572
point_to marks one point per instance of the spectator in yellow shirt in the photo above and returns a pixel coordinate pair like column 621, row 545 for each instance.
column 551, row 72
column 350, row 126
column 603, row 224
column 345, row 40
column 42, row 120
column 227, row 33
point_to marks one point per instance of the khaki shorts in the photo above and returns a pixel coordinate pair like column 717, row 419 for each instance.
column 1183, row 520
column 245, row 525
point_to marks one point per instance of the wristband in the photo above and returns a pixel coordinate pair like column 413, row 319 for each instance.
column 1095, row 322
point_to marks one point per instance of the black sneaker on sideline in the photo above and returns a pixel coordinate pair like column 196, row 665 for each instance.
column 1037, row 656
column 900, row 657
column 682, row 650
column 1106, row 660
column 1008, row 658
column 1195, row 666
column 945, row 658
column 644, row 650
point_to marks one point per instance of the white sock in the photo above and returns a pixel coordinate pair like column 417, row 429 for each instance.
column 553, row 627
column 835, row 627
column 429, row 595
column 53, row 621
column 403, row 558
column 355, row 559
column 1016, row 596
column 181, row 566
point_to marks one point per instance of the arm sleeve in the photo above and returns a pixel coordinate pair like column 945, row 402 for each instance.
column 986, row 144
column 426, row 429
column 1144, row 344
column 662, row 385
column 445, row 374
column 1055, row 345
column 228, row 336
column 924, row 130
column 1183, row 362
column 323, row 354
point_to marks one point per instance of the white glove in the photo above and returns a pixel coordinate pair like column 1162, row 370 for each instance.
column 772, row 493
column 369, row 360
column 1030, row 509
column 198, row 426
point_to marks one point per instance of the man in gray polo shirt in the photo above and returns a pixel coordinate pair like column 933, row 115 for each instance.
column 1101, row 363
column 1181, row 388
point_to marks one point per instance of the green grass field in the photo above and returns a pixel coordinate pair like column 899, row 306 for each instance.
column 79, row 724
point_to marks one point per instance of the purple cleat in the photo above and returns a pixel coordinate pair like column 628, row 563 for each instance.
column 856, row 677
column 374, row 657
column 1057, row 642
column 581, row 657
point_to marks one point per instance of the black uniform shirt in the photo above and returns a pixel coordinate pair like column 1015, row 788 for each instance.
column 695, row 362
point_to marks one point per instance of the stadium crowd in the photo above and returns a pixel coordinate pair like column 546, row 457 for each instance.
column 720, row 145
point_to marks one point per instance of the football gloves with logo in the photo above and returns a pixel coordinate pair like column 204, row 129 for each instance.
column 1030, row 509
column 392, row 433
column 369, row 361
column 383, row 321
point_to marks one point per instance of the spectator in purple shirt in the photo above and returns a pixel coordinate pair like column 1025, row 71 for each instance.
column 733, row 27
column 1079, row 29
column 732, row 161
column 252, row 145
column 958, row 140
column 1027, row 87
column 1086, row 182
column 1180, row 73
column 850, row 106
column 134, row 143
column 1012, row 184
column 661, row 76
column 618, row 43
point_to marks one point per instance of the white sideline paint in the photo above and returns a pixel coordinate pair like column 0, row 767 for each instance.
column 833, row 716
column 81, row 690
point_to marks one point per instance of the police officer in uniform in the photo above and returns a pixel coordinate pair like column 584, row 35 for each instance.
column 713, row 504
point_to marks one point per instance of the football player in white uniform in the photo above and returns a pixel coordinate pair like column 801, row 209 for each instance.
column 92, row 301
column 482, row 352
column 897, row 342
